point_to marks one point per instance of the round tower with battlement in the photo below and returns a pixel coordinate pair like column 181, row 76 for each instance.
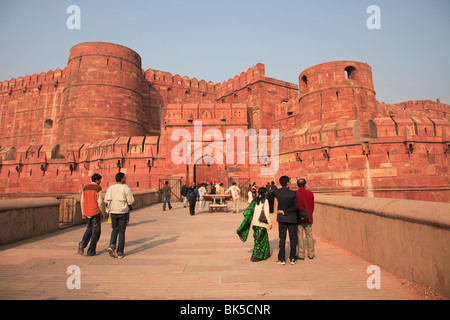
column 102, row 98
column 335, row 92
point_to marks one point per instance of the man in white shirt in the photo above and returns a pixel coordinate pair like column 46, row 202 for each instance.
column 201, row 192
column 236, row 195
column 119, row 200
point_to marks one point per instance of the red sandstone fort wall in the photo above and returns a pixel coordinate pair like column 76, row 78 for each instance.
column 258, row 92
column 399, row 161
column 202, row 117
column 103, row 113
column 41, row 169
column 30, row 108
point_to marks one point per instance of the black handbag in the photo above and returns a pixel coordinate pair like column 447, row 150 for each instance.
column 262, row 217
column 302, row 215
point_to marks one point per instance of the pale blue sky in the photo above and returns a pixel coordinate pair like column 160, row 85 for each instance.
column 216, row 40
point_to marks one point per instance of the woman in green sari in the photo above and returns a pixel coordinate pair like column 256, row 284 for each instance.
column 259, row 207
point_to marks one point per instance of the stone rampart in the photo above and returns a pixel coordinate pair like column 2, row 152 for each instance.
column 103, row 113
column 406, row 237
column 25, row 218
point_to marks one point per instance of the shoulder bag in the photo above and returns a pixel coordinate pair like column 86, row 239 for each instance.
column 302, row 215
column 262, row 217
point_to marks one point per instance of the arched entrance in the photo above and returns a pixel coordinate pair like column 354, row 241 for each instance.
column 206, row 170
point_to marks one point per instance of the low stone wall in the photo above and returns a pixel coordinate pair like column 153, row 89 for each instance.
column 406, row 237
column 25, row 218
column 145, row 198
column 73, row 215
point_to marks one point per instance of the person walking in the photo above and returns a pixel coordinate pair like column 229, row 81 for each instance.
column 201, row 192
column 287, row 219
column 184, row 190
column 219, row 188
column 208, row 188
column 236, row 195
column 271, row 196
column 254, row 190
column 119, row 199
column 166, row 196
column 249, row 194
column 193, row 196
column 305, row 199
column 219, row 191
column 93, row 211
column 257, row 215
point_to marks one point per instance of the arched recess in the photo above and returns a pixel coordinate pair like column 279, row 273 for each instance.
column 350, row 73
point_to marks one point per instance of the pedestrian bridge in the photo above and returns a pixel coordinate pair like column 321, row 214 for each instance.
column 366, row 248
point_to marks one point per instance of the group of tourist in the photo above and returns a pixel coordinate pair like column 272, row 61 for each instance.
column 270, row 188
column 117, row 203
column 290, row 204
column 190, row 195
column 118, row 200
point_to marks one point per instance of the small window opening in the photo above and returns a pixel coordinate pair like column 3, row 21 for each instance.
column 305, row 80
column 48, row 124
column 350, row 73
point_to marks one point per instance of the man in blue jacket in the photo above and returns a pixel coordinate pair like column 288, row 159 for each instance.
column 287, row 219
column 193, row 196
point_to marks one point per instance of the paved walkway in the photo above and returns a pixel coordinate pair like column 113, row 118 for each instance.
column 172, row 255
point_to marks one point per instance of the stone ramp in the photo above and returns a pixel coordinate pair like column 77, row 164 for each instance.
column 172, row 255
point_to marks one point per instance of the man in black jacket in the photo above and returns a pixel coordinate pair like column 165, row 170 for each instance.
column 193, row 196
column 184, row 191
column 287, row 219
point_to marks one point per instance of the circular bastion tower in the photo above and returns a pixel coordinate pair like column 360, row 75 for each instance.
column 335, row 92
column 102, row 97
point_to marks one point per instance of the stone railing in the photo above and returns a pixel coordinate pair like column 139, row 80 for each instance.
column 406, row 237
column 25, row 218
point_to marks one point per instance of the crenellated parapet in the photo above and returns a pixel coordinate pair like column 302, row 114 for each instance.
column 34, row 82
column 251, row 76
column 167, row 79
column 415, row 108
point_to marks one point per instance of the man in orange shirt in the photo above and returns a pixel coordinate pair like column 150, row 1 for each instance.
column 93, row 211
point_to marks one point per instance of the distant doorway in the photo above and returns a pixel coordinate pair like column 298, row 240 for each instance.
column 206, row 170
